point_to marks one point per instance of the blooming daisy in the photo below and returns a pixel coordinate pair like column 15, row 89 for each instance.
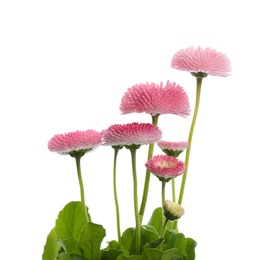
column 172, row 148
column 156, row 99
column 78, row 142
column 132, row 133
column 198, row 60
column 165, row 167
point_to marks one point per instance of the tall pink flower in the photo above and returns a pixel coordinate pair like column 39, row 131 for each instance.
column 155, row 99
column 132, row 133
column 165, row 167
column 172, row 148
column 208, row 61
column 78, row 141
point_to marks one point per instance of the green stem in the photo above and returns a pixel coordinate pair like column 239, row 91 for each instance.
column 84, row 210
column 163, row 193
column 163, row 203
column 164, row 228
column 198, row 89
column 116, row 150
column 135, row 196
column 173, row 190
column 147, row 178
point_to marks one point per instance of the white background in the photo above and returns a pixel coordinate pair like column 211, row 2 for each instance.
column 64, row 66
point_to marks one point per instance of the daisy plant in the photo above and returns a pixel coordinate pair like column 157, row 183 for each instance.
column 75, row 236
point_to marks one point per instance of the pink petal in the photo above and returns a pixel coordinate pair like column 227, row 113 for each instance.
column 207, row 60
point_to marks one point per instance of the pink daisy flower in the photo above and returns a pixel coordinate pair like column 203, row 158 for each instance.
column 199, row 60
column 155, row 99
column 165, row 167
column 75, row 142
column 132, row 133
column 172, row 148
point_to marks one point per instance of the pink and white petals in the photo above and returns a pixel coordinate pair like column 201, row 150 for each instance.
column 199, row 60
column 165, row 167
column 132, row 133
column 172, row 148
column 154, row 99
column 75, row 141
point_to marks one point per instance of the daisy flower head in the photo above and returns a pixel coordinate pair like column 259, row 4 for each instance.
column 202, row 61
column 131, row 134
column 156, row 99
column 165, row 167
column 172, row 148
column 75, row 143
column 172, row 210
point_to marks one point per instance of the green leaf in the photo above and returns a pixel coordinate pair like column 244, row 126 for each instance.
column 64, row 256
column 156, row 219
column 127, row 239
column 149, row 237
column 70, row 246
column 174, row 240
column 113, row 245
column 155, row 254
column 148, row 234
column 151, row 254
column 177, row 257
column 51, row 247
column 132, row 257
column 70, row 222
column 190, row 245
column 90, row 241
column 153, row 244
column 110, row 254
column 77, row 257
column 185, row 246
column 112, row 251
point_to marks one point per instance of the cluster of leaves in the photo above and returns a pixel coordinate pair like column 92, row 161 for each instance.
column 72, row 239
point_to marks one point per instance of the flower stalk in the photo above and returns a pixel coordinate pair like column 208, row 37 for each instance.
column 162, row 235
column 147, row 178
column 133, row 148
column 116, row 150
column 84, row 210
column 199, row 77
column 163, row 192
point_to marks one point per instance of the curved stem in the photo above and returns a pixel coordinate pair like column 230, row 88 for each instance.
column 116, row 150
column 135, row 196
column 84, row 210
column 198, row 89
column 147, row 178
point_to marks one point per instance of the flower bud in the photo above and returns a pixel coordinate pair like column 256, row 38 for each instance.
column 172, row 210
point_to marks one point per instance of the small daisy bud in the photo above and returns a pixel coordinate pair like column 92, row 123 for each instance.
column 172, row 210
